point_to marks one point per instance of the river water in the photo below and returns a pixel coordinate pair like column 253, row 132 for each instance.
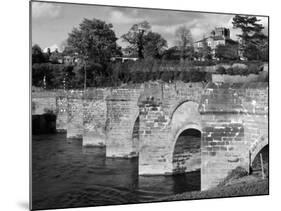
column 65, row 174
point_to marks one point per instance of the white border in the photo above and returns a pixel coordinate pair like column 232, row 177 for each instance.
column 15, row 104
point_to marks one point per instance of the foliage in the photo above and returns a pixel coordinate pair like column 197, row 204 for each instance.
column 136, row 37
column 143, row 42
column 94, row 40
column 205, row 51
column 184, row 42
column 236, row 173
column 221, row 70
column 254, row 43
column 228, row 52
column 37, row 54
column 154, row 45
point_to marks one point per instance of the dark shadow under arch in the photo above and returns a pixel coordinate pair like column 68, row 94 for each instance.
column 256, row 164
column 186, row 154
column 136, row 136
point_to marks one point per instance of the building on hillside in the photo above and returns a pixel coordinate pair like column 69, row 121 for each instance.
column 219, row 36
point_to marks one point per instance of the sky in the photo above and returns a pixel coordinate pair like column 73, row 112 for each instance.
column 51, row 22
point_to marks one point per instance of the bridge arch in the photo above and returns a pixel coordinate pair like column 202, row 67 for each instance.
column 178, row 105
column 260, row 149
column 186, row 155
column 185, row 142
column 257, row 147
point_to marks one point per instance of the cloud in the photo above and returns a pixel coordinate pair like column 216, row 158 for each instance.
column 45, row 10
column 121, row 18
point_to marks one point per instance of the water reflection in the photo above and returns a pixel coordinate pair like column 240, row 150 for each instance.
column 67, row 174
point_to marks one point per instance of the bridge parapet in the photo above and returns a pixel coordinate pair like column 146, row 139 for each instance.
column 234, row 116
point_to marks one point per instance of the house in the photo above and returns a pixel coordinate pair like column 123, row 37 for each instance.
column 219, row 36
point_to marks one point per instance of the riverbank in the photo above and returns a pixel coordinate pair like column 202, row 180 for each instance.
column 246, row 186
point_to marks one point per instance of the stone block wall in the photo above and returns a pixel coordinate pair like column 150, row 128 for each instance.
column 74, row 114
column 157, row 105
column 94, row 117
column 233, row 117
column 122, row 113
column 62, row 116
column 43, row 102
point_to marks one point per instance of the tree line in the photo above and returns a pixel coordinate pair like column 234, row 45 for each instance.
column 93, row 43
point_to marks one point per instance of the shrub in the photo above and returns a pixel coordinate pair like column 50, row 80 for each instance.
column 185, row 76
column 236, row 173
column 208, row 77
column 230, row 71
column 254, row 68
column 196, row 76
column 221, row 70
column 167, row 76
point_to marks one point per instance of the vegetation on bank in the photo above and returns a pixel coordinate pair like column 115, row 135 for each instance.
column 243, row 188
column 237, row 183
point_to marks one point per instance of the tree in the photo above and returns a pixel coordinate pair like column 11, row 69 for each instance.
column 205, row 51
column 171, row 54
column 154, row 45
column 37, row 54
column 94, row 42
column 184, row 42
column 228, row 52
column 136, row 37
column 252, row 37
column 94, row 39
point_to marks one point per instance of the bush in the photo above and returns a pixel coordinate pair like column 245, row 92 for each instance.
column 208, row 77
column 254, row 68
column 221, row 70
column 167, row 76
column 185, row 76
column 230, row 71
column 197, row 76
column 236, row 173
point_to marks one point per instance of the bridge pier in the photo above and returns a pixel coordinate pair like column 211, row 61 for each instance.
column 74, row 114
column 122, row 112
column 62, row 116
column 94, row 116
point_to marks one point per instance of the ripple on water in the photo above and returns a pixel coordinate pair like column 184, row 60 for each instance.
column 69, row 175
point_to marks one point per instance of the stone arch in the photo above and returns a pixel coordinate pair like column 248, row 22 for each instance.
column 185, row 113
column 257, row 147
column 176, row 106
column 186, row 155
column 185, row 116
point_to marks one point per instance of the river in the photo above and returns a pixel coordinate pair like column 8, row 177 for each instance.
column 65, row 174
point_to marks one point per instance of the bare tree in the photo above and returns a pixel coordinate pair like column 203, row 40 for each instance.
column 184, row 42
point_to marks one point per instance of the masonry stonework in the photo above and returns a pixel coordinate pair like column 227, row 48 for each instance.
column 161, row 122
column 94, row 117
column 122, row 113
column 74, row 114
column 234, row 117
column 172, row 127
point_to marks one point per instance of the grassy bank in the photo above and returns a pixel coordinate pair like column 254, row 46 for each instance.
column 245, row 186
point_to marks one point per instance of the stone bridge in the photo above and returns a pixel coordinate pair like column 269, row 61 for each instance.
column 171, row 128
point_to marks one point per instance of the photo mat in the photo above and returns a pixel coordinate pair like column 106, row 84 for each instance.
column 139, row 105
